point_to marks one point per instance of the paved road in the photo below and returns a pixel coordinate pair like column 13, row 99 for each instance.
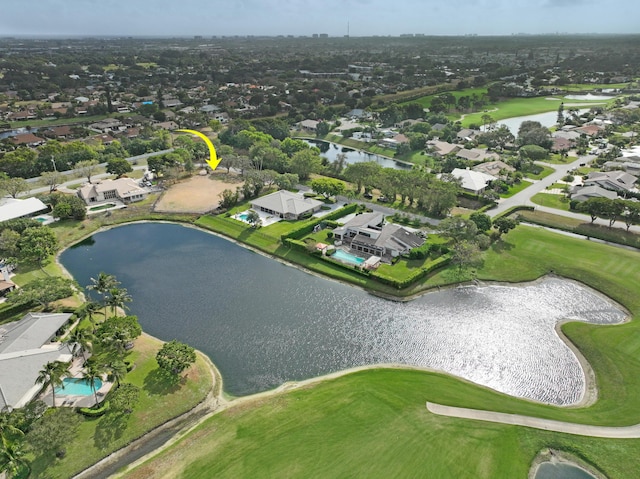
column 610, row 432
column 524, row 197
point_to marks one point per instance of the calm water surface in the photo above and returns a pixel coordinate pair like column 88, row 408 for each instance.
column 263, row 323
column 561, row 470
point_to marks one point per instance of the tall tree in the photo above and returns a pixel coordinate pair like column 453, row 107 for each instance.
column 42, row 291
column 118, row 297
column 52, row 179
column 13, row 186
column 37, row 244
column 175, row 357
column 119, row 167
column 101, row 285
column 91, row 373
column 87, row 168
column 51, row 376
column 81, row 340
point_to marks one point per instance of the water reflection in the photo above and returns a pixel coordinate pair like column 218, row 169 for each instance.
column 264, row 323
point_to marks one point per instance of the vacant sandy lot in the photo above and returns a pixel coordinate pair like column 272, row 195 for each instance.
column 198, row 194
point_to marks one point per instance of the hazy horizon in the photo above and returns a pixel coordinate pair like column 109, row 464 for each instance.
column 359, row 18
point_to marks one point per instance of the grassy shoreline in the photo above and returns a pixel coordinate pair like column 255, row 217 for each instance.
column 517, row 258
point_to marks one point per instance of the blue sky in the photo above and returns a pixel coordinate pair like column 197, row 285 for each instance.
column 304, row 17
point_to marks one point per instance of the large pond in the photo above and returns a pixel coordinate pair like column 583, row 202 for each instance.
column 264, row 323
column 547, row 119
column 330, row 151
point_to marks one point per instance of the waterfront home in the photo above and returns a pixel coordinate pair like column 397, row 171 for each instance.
column 369, row 233
column 26, row 346
column 286, row 205
column 442, row 148
column 122, row 189
column 14, row 208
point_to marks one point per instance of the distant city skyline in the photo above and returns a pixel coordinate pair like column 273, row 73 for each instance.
column 306, row 17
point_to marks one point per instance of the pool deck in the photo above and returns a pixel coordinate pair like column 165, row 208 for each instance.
column 77, row 400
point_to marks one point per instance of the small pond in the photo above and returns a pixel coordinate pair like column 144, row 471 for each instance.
column 561, row 470
column 263, row 323
column 330, row 151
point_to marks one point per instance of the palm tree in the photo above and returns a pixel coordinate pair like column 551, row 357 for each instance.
column 102, row 284
column 117, row 299
column 87, row 310
column 81, row 339
column 117, row 371
column 12, row 452
column 253, row 218
column 92, row 372
column 51, row 375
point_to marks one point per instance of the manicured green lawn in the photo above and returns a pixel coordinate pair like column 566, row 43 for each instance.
column 520, row 107
column 374, row 423
column 557, row 159
column 582, row 87
column 552, row 201
column 159, row 401
column 546, row 171
column 516, row 188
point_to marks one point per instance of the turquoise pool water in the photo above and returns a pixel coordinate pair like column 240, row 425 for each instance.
column 77, row 387
column 243, row 216
column 347, row 257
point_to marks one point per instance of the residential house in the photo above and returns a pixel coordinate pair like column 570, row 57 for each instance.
column 28, row 139
column 467, row 134
column 26, row 346
column 590, row 130
column 171, row 103
column 472, row 181
column 369, row 233
column 286, row 205
column 494, row 168
column 561, row 144
column 395, row 141
column 14, row 208
column 309, row 125
column 59, row 132
column 167, row 125
column 442, row 148
column 122, row 189
column 108, row 125
column 583, row 193
column 612, row 180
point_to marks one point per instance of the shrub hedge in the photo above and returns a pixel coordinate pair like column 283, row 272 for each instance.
column 415, row 276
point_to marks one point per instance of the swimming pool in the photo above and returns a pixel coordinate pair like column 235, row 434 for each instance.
column 243, row 216
column 77, row 387
column 345, row 257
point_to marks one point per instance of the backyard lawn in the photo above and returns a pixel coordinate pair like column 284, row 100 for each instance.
column 160, row 400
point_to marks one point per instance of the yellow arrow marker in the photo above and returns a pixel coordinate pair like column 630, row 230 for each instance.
column 213, row 161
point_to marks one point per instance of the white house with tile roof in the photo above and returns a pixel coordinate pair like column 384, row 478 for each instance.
column 286, row 205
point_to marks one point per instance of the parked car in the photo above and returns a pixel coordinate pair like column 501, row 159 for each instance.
column 368, row 196
column 383, row 199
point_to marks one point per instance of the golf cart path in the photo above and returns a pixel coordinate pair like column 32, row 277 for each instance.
column 609, row 432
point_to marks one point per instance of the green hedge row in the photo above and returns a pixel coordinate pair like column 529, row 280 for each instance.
column 513, row 210
column 8, row 310
column 307, row 227
column 417, row 275
column 90, row 412
column 296, row 244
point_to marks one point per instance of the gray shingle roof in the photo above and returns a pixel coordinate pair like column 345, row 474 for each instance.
column 285, row 202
